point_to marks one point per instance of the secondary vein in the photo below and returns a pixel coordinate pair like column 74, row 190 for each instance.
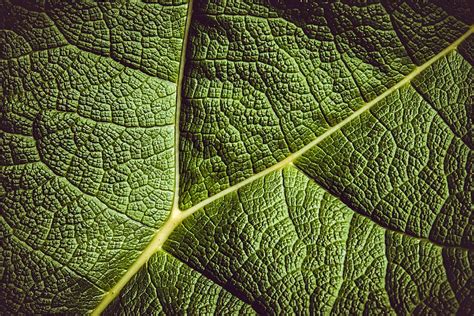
column 367, row 106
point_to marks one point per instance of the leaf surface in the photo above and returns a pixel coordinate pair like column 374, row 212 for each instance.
column 236, row 157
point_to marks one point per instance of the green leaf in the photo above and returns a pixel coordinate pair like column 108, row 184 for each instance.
column 241, row 157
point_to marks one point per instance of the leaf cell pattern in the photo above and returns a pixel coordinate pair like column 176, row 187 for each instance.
column 240, row 156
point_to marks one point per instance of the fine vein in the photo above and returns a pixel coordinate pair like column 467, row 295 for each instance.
column 177, row 216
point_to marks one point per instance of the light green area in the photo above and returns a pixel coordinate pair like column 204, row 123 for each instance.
column 168, row 286
column 329, row 145
column 87, row 146
column 283, row 244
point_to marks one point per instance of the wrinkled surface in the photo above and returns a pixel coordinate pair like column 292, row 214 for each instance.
column 375, row 218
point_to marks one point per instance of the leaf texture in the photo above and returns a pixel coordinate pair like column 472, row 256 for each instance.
column 236, row 157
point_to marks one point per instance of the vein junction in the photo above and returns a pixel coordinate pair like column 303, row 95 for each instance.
column 177, row 216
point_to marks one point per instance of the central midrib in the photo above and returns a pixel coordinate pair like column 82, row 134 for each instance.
column 177, row 216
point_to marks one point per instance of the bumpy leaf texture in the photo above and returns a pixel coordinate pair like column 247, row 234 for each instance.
column 239, row 156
